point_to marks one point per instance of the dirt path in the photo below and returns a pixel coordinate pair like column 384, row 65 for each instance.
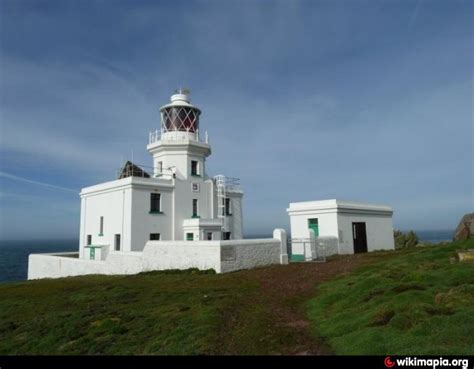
column 287, row 288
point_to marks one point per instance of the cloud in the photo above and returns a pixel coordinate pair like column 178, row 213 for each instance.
column 36, row 183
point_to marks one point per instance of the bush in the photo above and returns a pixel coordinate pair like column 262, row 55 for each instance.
column 405, row 240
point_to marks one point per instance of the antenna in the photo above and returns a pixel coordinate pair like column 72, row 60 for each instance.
column 182, row 91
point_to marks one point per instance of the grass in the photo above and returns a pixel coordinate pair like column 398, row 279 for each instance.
column 415, row 303
column 404, row 302
column 151, row 313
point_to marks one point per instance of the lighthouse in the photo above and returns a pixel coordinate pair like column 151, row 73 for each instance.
column 172, row 199
column 178, row 148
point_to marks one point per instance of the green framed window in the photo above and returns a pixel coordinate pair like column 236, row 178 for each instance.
column 194, row 168
column 155, row 203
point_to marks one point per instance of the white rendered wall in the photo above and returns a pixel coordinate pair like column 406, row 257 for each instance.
column 115, row 207
column 327, row 224
column 178, row 155
column 143, row 222
column 222, row 256
column 337, row 222
column 56, row 266
column 247, row 254
column 181, row 255
column 235, row 221
column 184, row 202
column 379, row 231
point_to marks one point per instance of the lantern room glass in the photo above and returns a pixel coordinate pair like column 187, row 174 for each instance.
column 180, row 118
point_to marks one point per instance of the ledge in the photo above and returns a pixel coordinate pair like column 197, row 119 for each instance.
column 195, row 175
column 195, row 217
column 100, row 235
column 155, row 212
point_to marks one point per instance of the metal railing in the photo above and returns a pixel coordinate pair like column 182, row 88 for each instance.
column 317, row 249
column 130, row 169
column 158, row 135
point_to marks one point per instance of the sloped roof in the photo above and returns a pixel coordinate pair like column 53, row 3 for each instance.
column 132, row 170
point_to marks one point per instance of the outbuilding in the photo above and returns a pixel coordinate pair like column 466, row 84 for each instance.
column 356, row 227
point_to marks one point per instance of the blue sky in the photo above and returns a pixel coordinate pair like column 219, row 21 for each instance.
column 303, row 100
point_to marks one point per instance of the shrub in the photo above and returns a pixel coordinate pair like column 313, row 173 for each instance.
column 405, row 240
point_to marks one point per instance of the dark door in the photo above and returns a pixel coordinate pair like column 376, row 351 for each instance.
column 117, row 242
column 359, row 236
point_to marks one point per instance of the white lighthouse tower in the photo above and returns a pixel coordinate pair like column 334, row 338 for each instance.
column 178, row 148
column 174, row 200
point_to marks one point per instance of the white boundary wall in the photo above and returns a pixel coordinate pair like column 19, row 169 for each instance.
column 222, row 256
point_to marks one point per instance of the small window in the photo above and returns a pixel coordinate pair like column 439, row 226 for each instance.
column 194, row 168
column 154, row 236
column 226, row 235
column 228, row 208
column 189, row 236
column 101, row 226
column 117, row 242
column 155, row 203
column 195, row 187
column 89, row 239
column 159, row 167
column 209, row 236
column 195, row 208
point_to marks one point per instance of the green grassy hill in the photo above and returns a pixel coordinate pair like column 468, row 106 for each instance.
column 412, row 301
column 419, row 302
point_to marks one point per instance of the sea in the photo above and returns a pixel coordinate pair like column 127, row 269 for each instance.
column 14, row 254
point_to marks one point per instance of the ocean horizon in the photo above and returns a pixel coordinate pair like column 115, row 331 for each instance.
column 14, row 253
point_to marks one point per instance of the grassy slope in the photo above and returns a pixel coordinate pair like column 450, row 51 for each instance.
column 414, row 303
column 152, row 313
column 403, row 302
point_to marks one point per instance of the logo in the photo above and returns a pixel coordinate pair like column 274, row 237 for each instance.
column 388, row 362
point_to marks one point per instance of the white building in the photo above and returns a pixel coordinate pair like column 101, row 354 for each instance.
column 357, row 227
column 176, row 200
column 171, row 216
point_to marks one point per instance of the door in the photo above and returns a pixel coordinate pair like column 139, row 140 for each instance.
column 313, row 224
column 359, row 235
column 117, row 242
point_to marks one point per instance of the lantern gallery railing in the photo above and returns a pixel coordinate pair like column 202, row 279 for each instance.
column 177, row 136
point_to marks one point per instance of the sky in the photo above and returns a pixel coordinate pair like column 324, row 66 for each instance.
column 303, row 100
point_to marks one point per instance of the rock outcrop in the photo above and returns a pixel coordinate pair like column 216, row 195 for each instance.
column 465, row 229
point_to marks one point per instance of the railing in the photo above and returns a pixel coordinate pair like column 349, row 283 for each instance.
column 177, row 136
column 144, row 171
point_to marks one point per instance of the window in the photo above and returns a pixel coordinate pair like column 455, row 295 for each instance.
column 101, row 226
column 117, row 242
column 228, row 209
column 209, row 236
column 189, row 236
column 195, row 187
column 154, row 236
column 159, row 167
column 195, row 208
column 155, row 203
column 194, row 168
column 89, row 239
column 226, row 235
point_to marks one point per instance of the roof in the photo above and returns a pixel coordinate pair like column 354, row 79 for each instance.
column 338, row 206
column 132, row 170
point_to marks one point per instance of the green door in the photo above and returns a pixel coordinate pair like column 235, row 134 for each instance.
column 313, row 224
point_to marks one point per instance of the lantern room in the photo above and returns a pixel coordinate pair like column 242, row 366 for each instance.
column 180, row 118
